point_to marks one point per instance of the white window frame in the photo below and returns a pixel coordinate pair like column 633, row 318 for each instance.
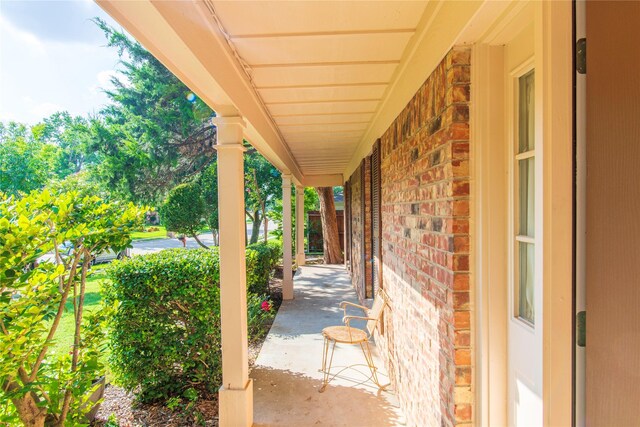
column 513, row 102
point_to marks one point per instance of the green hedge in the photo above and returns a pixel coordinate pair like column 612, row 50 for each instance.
column 261, row 259
column 165, row 326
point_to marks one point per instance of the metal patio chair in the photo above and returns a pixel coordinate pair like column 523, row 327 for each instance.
column 349, row 335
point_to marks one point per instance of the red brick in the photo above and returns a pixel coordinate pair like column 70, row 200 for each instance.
column 460, row 188
column 461, row 208
column 458, row 132
column 460, row 168
column 457, row 56
column 463, row 412
column 463, row 375
column 458, row 74
column 461, row 243
column 460, row 225
column 462, row 357
column 461, row 282
column 458, row 93
column 461, row 263
column 462, row 338
column 462, row 319
column 425, row 242
column 461, row 300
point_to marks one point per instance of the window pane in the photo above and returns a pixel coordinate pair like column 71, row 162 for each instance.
column 525, row 294
column 526, row 113
column 526, row 171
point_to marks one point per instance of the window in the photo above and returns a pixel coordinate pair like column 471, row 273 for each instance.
column 525, row 200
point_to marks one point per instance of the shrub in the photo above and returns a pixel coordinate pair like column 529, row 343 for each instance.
column 165, row 326
column 165, row 330
column 36, row 387
column 276, row 248
column 261, row 259
column 259, row 310
column 184, row 209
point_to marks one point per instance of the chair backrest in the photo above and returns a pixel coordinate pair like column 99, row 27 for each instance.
column 375, row 312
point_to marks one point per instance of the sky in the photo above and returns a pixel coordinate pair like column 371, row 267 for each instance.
column 52, row 58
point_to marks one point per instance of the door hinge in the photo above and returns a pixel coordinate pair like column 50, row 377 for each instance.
column 581, row 328
column 581, row 56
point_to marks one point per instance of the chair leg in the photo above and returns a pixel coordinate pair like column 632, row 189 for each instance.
column 326, row 370
column 372, row 367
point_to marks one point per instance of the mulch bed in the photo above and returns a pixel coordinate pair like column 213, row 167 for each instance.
column 128, row 413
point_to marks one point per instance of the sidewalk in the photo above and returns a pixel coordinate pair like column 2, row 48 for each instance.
column 286, row 374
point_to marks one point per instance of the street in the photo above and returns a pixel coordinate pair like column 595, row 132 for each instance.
column 149, row 246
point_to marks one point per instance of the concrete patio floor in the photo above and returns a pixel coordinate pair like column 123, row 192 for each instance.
column 286, row 373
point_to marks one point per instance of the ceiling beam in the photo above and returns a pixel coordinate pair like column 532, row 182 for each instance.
column 330, row 180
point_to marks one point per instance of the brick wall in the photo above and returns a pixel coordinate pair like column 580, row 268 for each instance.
column 425, row 248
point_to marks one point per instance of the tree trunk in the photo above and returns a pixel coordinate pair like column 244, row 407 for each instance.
column 330, row 235
column 255, row 228
column 27, row 407
column 266, row 229
column 195, row 236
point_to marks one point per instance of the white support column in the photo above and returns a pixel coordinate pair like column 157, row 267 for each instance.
column 300, row 259
column 236, row 393
column 287, row 276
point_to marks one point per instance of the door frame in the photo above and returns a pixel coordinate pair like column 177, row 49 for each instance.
column 554, row 63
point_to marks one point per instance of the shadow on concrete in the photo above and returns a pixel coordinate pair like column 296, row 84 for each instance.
column 285, row 398
column 286, row 372
column 318, row 290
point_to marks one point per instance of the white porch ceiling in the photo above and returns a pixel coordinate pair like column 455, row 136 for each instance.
column 316, row 81
column 320, row 68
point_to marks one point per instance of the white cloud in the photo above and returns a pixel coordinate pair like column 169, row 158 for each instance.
column 40, row 76
column 8, row 116
column 22, row 36
column 45, row 109
column 104, row 78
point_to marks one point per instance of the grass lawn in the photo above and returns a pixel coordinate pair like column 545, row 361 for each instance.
column 148, row 235
column 64, row 334
column 160, row 234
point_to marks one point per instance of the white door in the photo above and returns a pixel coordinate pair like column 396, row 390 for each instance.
column 524, row 323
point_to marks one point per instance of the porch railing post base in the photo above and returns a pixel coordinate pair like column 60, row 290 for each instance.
column 236, row 406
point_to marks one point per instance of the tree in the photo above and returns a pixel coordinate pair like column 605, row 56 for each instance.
column 184, row 209
column 330, row 234
column 263, row 188
column 311, row 203
column 74, row 137
column 208, row 182
column 156, row 133
column 33, row 387
column 25, row 163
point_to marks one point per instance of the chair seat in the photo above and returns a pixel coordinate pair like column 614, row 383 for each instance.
column 344, row 334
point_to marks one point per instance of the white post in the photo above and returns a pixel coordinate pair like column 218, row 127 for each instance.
column 236, row 393
column 300, row 259
column 287, row 277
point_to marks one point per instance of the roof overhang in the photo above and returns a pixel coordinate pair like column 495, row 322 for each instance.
column 316, row 82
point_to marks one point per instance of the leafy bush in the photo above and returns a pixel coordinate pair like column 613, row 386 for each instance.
column 37, row 388
column 261, row 259
column 259, row 311
column 165, row 329
column 276, row 248
column 184, row 209
column 165, row 326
